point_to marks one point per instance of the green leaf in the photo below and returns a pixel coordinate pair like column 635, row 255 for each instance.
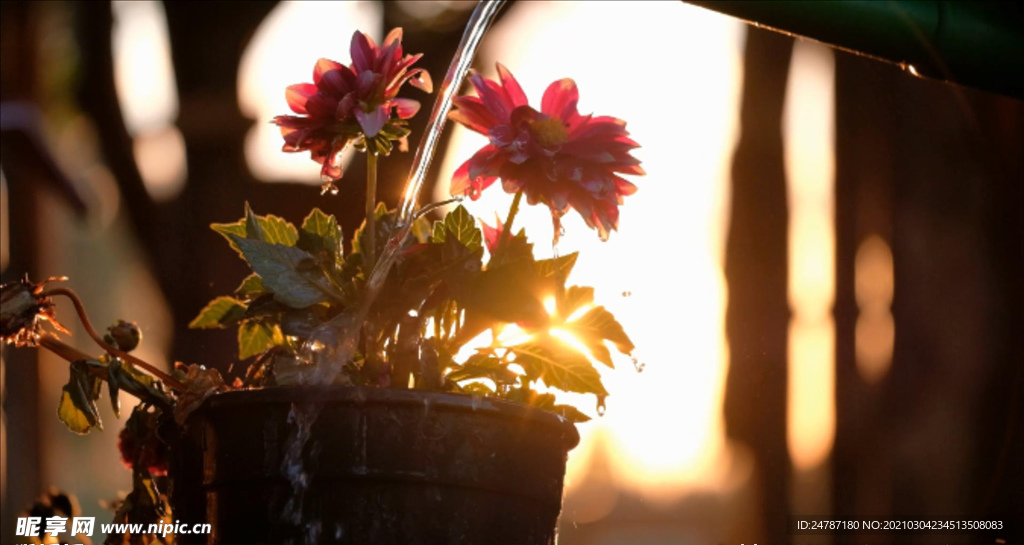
column 574, row 298
column 271, row 229
column 559, row 266
column 257, row 337
column 251, row 287
column 218, row 313
column 320, row 232
column 291, row 274
column 476, row 388
column 570, row 413
column 385, row 226
column 462, row 226
column 558, row 366
column 596, row 326
column 485, row 367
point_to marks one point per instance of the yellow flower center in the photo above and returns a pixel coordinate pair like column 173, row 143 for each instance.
column 549, row 132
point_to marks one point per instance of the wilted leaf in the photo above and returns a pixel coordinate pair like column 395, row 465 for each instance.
column 291, row 274
column 200, row 383
column 77, row 408
column 257, row 337
column 218, row 313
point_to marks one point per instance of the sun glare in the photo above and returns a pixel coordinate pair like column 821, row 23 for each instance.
column 663, row 430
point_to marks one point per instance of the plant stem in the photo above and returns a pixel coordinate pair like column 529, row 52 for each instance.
column 80, row 309
column 370, row 251
column 65, row 351
column 506, row 232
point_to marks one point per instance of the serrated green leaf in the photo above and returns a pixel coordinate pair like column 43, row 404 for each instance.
column 291, row 274
column 559, row 366
column 462, row 226
column 218, row 313
column 560, row 266
column 257, row 337
column 320, row 232
column 487, row 367
column 251, row 287
column 278, row 231
column 272, row 229
column 596, row 326
column 574, row 298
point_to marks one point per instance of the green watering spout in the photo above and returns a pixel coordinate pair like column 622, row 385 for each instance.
column 977, row 44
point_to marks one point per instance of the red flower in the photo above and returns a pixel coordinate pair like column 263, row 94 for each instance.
column 149, row 453
column 346, row 102
column 555, row 156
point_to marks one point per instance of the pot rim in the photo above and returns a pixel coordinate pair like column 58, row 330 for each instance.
column 369, row 396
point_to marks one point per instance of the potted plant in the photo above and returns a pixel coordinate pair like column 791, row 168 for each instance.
column 400, row 386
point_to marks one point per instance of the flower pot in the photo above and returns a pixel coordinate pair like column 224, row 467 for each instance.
column 382, row 467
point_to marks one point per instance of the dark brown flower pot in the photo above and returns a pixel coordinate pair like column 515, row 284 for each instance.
column 383, row 467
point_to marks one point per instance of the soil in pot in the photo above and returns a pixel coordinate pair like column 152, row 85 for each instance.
column 380, row 467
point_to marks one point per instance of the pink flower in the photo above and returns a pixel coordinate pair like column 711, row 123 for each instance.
column 347, row 102
column 555, row 156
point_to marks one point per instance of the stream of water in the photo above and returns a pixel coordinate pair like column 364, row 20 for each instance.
column 333, row 344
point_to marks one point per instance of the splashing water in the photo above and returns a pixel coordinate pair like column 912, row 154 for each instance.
column 333, row 344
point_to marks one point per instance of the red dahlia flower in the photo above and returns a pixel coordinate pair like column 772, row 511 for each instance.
column 346, row 102
column 555, row 156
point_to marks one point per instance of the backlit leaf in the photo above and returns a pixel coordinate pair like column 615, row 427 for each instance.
column 291, row 274
column 251, row 287
column 461, row 224
column 320, row 232
column 558, row 366
column 272, row 229
column 257, row 337
column 218, row 313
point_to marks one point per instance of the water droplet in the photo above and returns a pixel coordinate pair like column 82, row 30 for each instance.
column 600, row 405
column 627, row 293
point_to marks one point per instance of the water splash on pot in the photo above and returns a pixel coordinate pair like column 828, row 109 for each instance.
column 333, row 344
column 300, row 425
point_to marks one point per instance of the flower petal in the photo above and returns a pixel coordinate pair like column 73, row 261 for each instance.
column 492, row 96
column 420, row 79
column 364, row 52
column 297, row 95
column 374, row 121
column 472, row 113
column 513, row 91
column 323, row 66
column 406, row 107
column 560, row 99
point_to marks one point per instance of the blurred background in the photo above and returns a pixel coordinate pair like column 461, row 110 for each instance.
column 821, row 270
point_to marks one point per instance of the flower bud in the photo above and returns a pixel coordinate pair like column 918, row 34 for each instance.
column 124, row 335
